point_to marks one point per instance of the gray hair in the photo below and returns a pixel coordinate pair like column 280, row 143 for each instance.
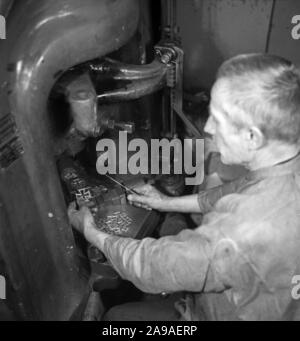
column 266, row 91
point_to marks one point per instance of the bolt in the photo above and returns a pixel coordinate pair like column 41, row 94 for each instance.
column 166, row 57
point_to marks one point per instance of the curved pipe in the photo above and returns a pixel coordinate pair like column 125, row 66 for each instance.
column 52, row 37
column 122, row 71
column 134, row 90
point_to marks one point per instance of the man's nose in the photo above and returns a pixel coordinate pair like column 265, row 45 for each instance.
column 209, row 127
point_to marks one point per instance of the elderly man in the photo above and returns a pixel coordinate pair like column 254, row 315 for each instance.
column 240, row 263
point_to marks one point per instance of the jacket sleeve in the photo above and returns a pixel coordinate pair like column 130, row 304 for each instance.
column 185, row 262
column 207, row 199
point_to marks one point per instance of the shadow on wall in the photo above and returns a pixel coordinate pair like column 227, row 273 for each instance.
column 199, row 45
column 198, row 76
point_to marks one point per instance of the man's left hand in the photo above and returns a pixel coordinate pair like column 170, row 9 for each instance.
column 81, row 219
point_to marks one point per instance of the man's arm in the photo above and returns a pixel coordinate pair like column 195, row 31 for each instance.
column 183, row 204
column 150, row 198
column 174, row 263
column 169, row 264
column 203, row 202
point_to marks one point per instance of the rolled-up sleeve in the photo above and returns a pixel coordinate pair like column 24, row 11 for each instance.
column 208, row 198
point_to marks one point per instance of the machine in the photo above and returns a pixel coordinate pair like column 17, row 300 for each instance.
column 73, row 72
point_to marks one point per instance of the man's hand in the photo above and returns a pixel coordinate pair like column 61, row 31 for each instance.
column 149, row 198
column 82, row 219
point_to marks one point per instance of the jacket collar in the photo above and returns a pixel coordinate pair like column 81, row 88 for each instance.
column 286, row 167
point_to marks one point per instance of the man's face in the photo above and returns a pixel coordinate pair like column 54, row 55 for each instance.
column 229, row 140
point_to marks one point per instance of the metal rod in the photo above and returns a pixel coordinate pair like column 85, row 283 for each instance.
column 123, row 186
column 188, row 123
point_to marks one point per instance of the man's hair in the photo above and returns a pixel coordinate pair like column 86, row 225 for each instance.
column 265, row 90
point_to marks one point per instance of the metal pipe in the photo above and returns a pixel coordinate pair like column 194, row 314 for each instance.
column 83, row 102
column 122, row 71
column 134, row 90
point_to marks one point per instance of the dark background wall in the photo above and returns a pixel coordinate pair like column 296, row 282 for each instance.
column 215, row 30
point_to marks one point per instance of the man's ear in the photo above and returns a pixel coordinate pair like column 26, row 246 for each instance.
column 255, row 138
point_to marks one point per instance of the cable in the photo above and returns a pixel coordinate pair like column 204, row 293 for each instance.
column 270, row 27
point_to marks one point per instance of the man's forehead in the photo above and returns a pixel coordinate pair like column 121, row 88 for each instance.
column 221, row 87
column 220, row 95
column 222, row 106
column 224, row 94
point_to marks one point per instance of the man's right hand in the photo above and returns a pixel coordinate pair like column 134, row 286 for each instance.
column 149, row 198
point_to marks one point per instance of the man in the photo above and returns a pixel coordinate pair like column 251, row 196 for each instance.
column 240, row 263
